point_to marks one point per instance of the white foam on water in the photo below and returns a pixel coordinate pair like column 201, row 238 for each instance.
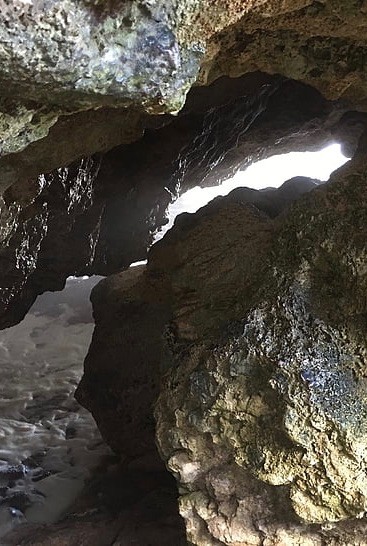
column 48, row 444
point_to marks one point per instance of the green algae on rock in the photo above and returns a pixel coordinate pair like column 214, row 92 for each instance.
column 280, row 396
column 71, row 54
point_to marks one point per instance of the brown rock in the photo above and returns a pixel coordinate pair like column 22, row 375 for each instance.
column 124, row 204
column 280, row 397
column 262, row 413
column 125, row 355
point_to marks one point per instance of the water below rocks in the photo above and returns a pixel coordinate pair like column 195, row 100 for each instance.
column 49, row 445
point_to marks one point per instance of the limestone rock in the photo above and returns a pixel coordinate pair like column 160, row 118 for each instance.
column 79, row 54
column 31, row 147
column 43, row 235
column 21, row 124
column 279, row 399
column 319, row 43
column 59, row 58
column 122, row 505
column 262, row 413
column 133, row 309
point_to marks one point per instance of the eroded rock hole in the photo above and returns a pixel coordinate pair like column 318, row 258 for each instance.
column 54, row 465
column 295, row 172
column 201, row 334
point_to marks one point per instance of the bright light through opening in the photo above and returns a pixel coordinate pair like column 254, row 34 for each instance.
column 270, row 172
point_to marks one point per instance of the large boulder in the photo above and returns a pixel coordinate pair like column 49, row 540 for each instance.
column 138, row 311
column 265, row 424
column 262, row 411
column 63, row 61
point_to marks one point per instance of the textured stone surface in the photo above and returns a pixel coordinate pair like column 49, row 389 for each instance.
column 133, row 309
column 279, row 399
column 49, row 228
column 70, row 138
column 149, row 53
column 127, row 339
column 60, row 57
column 125, row 198
column 321, row 43
column 262, row 413
column 79, row 54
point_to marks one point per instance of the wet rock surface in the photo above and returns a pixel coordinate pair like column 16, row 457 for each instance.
column 99, row 214
column 60, row 58
column 48, row 231
column 259, row 335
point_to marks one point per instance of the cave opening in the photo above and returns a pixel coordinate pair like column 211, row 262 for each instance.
column 54, row 464
column 226, row 373
column 49, row 443
column 120, row 218
column 291, row 168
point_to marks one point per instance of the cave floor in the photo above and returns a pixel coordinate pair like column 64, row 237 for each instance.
column 124, row 504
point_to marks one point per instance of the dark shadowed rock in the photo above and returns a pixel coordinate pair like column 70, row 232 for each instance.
column 122, row 505
column 256, row 314
column 49, row 231
column 99, row 215
column 125, row 357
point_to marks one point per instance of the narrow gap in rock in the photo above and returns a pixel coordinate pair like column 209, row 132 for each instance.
column 55, row 467
column 289, row 170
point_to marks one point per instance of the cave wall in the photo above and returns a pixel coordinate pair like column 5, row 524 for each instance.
column 109, row 65
column 247, row 326
column 261, row 410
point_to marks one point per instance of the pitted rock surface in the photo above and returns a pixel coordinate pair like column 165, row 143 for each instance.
column 133, row 310
column 281, row 396
column 59, row 58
